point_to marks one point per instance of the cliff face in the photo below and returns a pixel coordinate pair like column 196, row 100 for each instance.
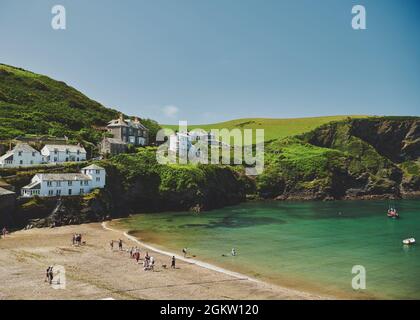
column 55, row 211
column 138, row 183
column 355, row 159
column 395, row 139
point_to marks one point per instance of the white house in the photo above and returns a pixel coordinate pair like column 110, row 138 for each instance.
column 66, row 184
column 182, row 142
column 22, row 155
column 54, row 153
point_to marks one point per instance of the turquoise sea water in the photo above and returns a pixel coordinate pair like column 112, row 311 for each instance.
column 302, row 245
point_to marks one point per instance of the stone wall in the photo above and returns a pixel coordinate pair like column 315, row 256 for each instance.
column 7, row 207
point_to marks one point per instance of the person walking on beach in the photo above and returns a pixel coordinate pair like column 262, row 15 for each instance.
column 111, row 244
column 120, row 245
column 4, row 232
column 233, row 252
column 49, row 274
column 137, row 256
column 152, row 264
column 173, row 262
column 184, row 251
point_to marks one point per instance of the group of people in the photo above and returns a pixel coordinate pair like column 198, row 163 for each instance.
column 120, row 244
column 148, row 262
column 135, row 253
column 77, row 239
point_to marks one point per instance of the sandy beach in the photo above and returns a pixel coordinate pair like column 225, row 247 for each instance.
column 94, row 271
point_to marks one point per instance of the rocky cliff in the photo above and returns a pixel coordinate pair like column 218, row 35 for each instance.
column 354, row 159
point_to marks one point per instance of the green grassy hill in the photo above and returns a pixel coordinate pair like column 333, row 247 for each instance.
column 35, row 104
column 31, row 103
column 274, row 128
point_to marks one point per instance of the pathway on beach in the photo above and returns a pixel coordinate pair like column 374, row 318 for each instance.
column 94, row 271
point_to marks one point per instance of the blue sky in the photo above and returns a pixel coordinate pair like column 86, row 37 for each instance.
column 212, row 60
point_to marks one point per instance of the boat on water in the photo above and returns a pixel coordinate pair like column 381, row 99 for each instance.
column 392, row 213
column 409, row 241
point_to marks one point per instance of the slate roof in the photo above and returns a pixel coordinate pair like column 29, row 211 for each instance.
column 126, row 123
column 63, row 177
column 24, row 147
column 93, row 167
column 4, row 192
column 7, row 156
column 33, row 185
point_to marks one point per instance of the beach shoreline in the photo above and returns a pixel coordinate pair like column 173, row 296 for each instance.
column 94, row 271
column 213, row 267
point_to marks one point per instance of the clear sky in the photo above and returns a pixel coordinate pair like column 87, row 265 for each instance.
column 212, row 60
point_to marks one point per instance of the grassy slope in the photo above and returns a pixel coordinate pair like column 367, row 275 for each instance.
column 274, row 128
column 35, row 104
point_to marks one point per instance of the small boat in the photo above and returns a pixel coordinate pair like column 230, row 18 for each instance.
column 392, row 213
column 409, row 241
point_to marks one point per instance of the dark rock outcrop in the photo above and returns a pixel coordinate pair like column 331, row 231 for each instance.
column 7, row 207
column 375, row 158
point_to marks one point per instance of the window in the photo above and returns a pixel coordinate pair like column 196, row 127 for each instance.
column 67, row 151
column 77, row 158
column 58, row 192
column 98, row 171
column 86, row 183
column 98, row 179
column 70, row 183
column 33, row 154
column 55, row 159
column 49, row 183
column 78, row 152
column 67, row 159
column 50, row 192
column 58, row 183
column 32, row 162
column 69, row 192
column 21, row 161
column 82, row 191
column 55, row 151
column 20, row 153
